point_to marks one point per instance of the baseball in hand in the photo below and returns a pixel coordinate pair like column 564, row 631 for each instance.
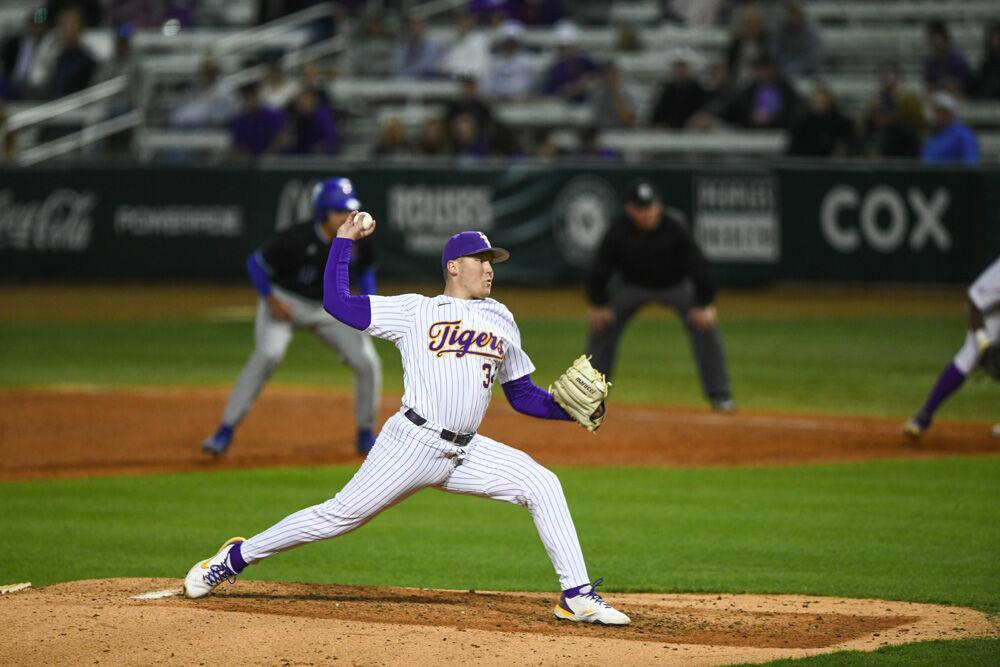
column 365, row 220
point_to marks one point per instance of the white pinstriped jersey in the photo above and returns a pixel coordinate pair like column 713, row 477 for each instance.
column 985, row 292
column 453, row 351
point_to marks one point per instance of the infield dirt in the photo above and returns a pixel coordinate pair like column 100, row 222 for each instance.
column 76, row 432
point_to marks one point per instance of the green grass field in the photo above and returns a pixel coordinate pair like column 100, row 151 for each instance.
column 909, row 530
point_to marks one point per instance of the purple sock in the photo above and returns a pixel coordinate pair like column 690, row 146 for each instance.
column 950, row 380
column 236, row 558
column 576, row 590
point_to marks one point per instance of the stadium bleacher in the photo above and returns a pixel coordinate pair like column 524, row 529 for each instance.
column 856, row 36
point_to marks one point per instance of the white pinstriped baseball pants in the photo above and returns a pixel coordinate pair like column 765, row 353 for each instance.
column 407, row 458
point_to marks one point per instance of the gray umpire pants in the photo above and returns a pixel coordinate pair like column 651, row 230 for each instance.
column 271, row 338
column 626, row 299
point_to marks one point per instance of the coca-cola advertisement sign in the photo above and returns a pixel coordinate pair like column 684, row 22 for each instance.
column 61, row 222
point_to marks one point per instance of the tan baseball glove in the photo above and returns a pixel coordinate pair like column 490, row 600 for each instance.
column 581, row 391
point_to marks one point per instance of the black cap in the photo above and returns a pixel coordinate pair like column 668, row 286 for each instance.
column 642, row 194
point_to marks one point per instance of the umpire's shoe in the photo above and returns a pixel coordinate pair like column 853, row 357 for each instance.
column 217, row 444
column 205, row 575
column 585, row 605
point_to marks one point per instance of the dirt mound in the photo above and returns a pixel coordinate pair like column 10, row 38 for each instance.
column 268, row 623
column 49, row 433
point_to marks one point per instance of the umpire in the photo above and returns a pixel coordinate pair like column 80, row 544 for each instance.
column 648, row 256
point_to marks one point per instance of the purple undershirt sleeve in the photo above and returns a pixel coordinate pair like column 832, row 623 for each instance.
column 528, row 398
column 354, row 311
column 258, row 274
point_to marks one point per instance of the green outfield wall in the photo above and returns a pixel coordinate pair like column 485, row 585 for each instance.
column 785, row 221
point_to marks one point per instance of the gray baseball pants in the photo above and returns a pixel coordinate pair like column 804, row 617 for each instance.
column 626, row 300
column 272, row 337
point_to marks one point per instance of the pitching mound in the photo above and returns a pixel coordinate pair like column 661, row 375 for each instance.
column 101, row 621
column 70, row 432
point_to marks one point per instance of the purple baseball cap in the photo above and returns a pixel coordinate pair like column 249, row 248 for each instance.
column 464, row 244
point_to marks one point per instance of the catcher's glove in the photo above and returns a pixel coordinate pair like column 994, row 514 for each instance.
column 989, row 361
column 581, row 391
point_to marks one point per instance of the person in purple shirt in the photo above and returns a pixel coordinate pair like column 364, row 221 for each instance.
column 952, row 142
column 257, row 129
column 572, row 71
column 311, row 126
column 945, row 67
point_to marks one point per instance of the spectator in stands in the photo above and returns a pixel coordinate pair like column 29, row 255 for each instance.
column 573, row 71
column 75, row 65
column 887, row 133
column 418, row 56
column 822, row 131
column 392, row 140
column 748, row 44
column 373, row 49
column 951, row 142
column 719, row 93
column 210, row 105
column 277, row 90
column 489, row 13
column 434, row 138
column 316, row 79
column 795, row 43
column 257, row 129
column 612, row 104
column 680, row 98
column 892, row 95
column 121, row 63
column 627, row 39
column 768, row 102
column 469, row 102
column 469, row 56
column 988, row 80
column 311, row 127
column 512, row 71
column 537, row 12
column 17, row 56
column 90, row 11
column 893, row 119
column 945, row 68
column 470, row 143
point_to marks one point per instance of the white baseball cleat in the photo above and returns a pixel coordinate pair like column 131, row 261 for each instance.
column 913, row 429
column 584, row 605
column 205, row 575
column 996, row 430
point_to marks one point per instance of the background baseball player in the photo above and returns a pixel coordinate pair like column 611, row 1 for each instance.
column 454, row 347
column 981, row 341
column 648, row 256
column 288, row 275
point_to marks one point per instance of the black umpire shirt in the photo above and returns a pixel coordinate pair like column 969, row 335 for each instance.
column 297, row 259
column 661, row 257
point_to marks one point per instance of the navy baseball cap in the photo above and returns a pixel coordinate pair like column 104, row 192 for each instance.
column 334, row 194
column 642, row 194
column 464, row 244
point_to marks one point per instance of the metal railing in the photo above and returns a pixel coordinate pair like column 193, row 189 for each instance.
column 101, row 92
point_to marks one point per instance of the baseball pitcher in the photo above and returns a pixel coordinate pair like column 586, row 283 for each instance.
column 288, row 275
column 454, row 347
